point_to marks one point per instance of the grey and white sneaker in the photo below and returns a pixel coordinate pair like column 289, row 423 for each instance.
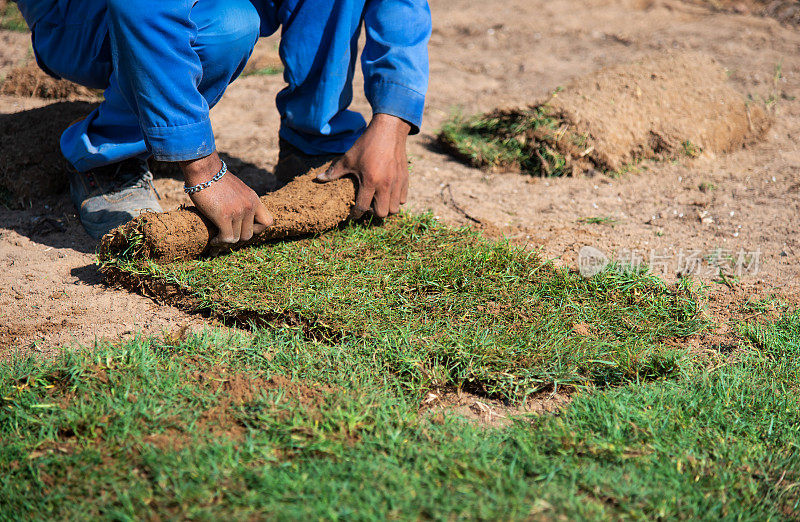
column 109, row 196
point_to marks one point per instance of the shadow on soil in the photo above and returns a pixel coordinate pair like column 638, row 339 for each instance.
column 88, row 275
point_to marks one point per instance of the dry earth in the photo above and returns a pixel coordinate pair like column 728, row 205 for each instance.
column 483, row 55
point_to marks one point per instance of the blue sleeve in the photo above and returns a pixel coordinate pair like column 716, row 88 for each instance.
column 395, row 57
column 158, row 71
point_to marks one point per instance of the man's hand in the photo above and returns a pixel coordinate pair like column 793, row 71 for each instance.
column 230, row 204
column 378, row 160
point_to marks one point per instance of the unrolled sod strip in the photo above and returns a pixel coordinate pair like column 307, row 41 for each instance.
column 302, row 207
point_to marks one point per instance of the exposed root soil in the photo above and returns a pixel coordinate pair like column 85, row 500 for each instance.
column 300, row 208
column 31, row 164
column 492, row 412
column 30, row 81
column 233, row 390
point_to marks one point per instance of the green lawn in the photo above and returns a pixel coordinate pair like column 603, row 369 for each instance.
column 164, row 427
column 315, row 411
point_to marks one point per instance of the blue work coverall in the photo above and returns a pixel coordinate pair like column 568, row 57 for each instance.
column 164, row 63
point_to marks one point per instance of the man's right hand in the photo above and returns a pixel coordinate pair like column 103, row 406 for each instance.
column 230, row 204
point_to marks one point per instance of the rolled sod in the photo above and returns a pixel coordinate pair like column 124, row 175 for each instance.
column 661, row 107
column 302, row 207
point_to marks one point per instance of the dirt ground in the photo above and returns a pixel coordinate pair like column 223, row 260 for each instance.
column 678, row 216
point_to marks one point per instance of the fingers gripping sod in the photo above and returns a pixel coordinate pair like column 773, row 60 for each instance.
column 378, row 160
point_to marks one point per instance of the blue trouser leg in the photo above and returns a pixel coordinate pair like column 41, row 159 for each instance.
column 319, row 50
column 224, row 33
column 164, row 63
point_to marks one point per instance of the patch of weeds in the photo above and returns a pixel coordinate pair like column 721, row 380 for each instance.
column 534, row 140
column 599, row 220
column 11, row 19
column 634, row 167
column 772, row 101
column 723, row 278
column 264, row 71
column 707, row 186
column 445, row 307
column 764, row 306
column 690, row 149
column 757, row 306
column 780, row 339
column 777, row 93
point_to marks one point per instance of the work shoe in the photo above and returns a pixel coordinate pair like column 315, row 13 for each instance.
column 109, row 196
column 293, row 162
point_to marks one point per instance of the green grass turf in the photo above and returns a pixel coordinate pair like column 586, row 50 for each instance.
column 81, row 438
column 444, row 307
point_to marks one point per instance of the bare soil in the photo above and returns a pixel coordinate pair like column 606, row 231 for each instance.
column 483, row 55
column 492, row 412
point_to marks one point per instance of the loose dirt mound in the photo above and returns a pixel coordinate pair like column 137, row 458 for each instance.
column 302, row 207
column 658, row 108
column 31, row 164
column 28, row 80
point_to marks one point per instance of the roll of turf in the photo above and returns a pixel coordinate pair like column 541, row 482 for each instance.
column 302, row 207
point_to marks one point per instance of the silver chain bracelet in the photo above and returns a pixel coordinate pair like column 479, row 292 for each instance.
column 197, row 188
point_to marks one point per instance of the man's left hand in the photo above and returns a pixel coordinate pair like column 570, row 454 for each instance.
column 378, row 159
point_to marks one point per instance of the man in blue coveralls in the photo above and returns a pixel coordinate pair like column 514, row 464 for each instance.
column 164, row 63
